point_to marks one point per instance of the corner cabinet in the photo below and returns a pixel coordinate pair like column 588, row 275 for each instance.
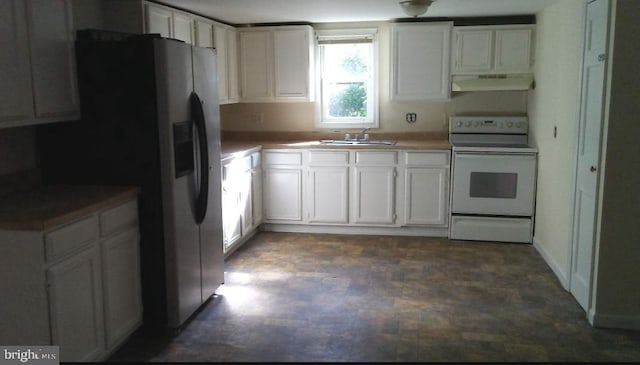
column 420, row 61
column 37, row 66
column 276, row 63
column 76, row 285
column 501, row 49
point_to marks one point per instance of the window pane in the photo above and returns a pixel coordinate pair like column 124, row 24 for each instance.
column 346, row 61
column 347, row 99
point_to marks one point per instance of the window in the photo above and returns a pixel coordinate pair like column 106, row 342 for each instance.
column 347, row 79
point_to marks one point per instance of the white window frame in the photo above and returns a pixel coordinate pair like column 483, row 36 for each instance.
column 371, row 121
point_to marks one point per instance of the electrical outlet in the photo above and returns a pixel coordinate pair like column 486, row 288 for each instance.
column 411, row 117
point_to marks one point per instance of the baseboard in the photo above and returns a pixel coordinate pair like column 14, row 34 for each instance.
column 614, row 321
column 361, row 230
column 557, row 269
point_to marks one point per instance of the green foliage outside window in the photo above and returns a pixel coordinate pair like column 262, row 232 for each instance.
column 350, row 102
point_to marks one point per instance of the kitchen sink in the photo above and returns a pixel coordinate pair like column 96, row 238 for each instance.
column 356, row 142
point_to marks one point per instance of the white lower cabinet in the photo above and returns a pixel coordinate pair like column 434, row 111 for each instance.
column 282, row 186
column 328, row 187
column 76, row 306
column 426, row 197
column 374, row 187
column 403, row 192
column 241, row 198
column 76, row 286
column 351, row 187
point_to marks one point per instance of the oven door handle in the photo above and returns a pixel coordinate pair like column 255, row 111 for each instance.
column 493, row 153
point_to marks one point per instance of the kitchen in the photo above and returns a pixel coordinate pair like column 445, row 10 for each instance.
column 550, row 106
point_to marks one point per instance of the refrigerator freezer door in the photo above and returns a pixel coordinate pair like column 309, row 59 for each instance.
column 174, row 84
column 206, row 87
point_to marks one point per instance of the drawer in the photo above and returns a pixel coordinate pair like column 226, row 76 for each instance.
column 119, row 218
column 376, row 158
column 282, row 158
column 331, row 158
column 427, row 158
column 64, row 240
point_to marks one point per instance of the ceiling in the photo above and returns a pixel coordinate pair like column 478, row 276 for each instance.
column 328, row 11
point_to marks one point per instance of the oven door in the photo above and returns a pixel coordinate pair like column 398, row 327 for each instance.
column 493, row 183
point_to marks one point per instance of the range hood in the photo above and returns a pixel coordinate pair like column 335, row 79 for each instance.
column 492, row 82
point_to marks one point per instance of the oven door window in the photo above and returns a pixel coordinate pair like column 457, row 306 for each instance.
column 493, row 185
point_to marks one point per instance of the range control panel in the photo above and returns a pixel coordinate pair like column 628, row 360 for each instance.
column 489, row 124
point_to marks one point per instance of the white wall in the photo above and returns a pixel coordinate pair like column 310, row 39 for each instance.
column 554, row 104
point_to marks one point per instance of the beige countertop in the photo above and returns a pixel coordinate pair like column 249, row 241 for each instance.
column 45, row 207
column 240, row 144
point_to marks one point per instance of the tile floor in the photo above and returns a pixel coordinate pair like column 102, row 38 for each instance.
column 332, row 298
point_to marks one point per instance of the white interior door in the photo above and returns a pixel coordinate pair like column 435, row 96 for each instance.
column 590, row 124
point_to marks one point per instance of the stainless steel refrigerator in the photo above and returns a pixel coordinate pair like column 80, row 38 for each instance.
column 150, row 118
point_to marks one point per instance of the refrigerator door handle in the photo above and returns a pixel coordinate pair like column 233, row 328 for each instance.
column 198, row 115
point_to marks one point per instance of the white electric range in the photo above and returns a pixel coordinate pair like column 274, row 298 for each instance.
column 493, row 179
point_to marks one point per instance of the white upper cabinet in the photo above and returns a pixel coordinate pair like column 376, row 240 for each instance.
column 223, row 38
column 420, row 61
column 169, row 23
column 276, row 63
column 255, row 65
column 204, row 34
column 201, row 32
column 38, row 73
column 493, row 49
column 292, row 62
column 183, row 28
column 158, row 20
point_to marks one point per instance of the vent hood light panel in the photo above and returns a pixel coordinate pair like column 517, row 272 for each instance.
column 492, row 82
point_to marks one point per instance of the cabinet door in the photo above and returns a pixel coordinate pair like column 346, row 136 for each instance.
column 256, row 65
column 53, row 59
column 231, row 224
column 513, row 50
column 16, row 101
column 121, row 278
column 374, row 194
column 420, row 62
column 204, row 34
column 232, row 65
column 183, row 28
column 473, row 51
column 291, row 49
column 328, row 191
column 75, row 304
column 256, row 195
column 426, row 196
column 220, row 38
column 245, row 205
column 158, row 20
column 283, row 194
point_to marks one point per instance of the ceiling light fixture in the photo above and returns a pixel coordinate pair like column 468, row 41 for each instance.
column 415, row 8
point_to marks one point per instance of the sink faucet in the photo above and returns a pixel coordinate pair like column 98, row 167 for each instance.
column 364, row 135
